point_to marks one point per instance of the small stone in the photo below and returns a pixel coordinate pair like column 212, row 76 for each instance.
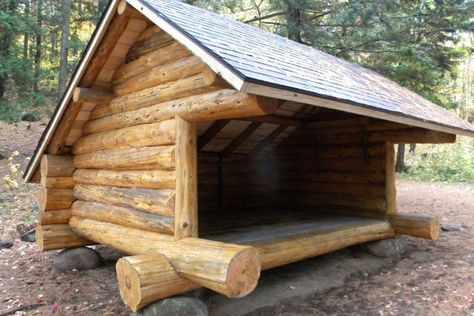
column 35, row 208
column 386, row 248
column 29, row 236
column 77, row 259
column 6, row 244
column 447, row 228
column 31, row 117
column 176, row 306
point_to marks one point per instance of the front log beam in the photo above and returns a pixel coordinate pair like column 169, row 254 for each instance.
column 415, row 225
column 232, row 270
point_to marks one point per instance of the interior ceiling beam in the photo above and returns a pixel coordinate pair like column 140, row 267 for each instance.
column 210, row 133
column 275, row 119
column 249, row 130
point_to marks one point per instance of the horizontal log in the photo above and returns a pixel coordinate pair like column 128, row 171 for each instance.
column 154, row 41
column 123, row 216
column 57, row 182
column 288, row 151
column 56, row 166
column 223, row 104
column 159, row 202
column 145, row 279
column 156, row 134
column 232, row 270
column 413, row 136
column 416, row 226
column 288, row 250
column 148, row 32
column 350, row 189
column 89, row 95
column 54, row 217
column 204, row 82
column 169, row 53
column 160, row 74
column 143, row 158
column 148, row 179
column 354, row 125
column 53, row 237
column 54, row 199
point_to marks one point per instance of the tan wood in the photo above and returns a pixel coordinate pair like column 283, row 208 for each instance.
column 167, row 54
column 58, row 141
column 54, row 217
column 390, row 186
column 53, row 237
column 143, row 158
column 204, row 82
column 229, row 269
column 54, row 199
column 276, row 253
column 160, row 74
column 144, row 279
column 223, row 104
column 162, row 133
column 416, row 226
column 186, row 212
column 148, row 179
column 89, row 95
column 58, row 182
column 125, row 9
column 159, row 202
column 155, row 41
column 56, row 166
column 128, row 217
column 149, row 31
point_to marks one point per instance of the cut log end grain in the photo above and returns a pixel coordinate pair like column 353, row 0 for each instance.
column 56, row 166
column 243, row 273
column 52, row 237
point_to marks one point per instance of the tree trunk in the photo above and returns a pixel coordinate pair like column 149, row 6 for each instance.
column 412, row 148
column 293, row 18
column 63, row 73
column 6, row 39
column 39, row 22
column 400, row 165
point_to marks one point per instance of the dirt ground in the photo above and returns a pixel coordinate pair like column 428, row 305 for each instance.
column 432, row 278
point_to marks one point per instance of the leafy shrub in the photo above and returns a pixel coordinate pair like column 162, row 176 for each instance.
column 447, row 163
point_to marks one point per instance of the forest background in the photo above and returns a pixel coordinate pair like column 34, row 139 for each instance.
column 424, row 45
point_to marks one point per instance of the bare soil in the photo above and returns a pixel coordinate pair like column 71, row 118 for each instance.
column 432, row 278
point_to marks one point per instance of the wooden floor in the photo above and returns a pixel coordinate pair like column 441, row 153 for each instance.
column 283, row 237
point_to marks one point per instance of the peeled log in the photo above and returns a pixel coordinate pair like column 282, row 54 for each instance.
column 167, row 54
column 232, row 270
column 57, row 182
column 160, row 74
column 155, row 41
column 55, row 199
column 159, row 202
column 51, row 237
column 54, row 217
column 57, row 166
column 223, row 104
column 205, row 82
column 144, row 158
column 123, row 216
column 123, row 8
column 89, row 95
column 145, row 279
column 416, row 226
column 156, row 134
column 148, row 179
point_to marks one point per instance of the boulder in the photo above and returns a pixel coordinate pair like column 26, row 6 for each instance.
column 29, row 236
column 78, row 258
column 176, row 306
column 5, row 244
column 31, row 117
column 386, row 248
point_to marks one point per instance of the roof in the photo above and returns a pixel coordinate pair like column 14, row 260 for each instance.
column 259, row 62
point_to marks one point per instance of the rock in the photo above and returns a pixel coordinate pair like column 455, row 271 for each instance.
column 393, row 247
column 35, row 208
column 31, row 117
column 78, row 258
column 176, row 306
column 5, row 244
column 29, row 236
column 447, row 228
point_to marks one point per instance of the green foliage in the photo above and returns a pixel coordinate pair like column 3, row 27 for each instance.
column 449, row 163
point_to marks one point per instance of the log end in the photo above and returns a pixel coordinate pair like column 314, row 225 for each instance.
column 435, row 228
column 121, row 7
column 129, row 284
column 243, row 273
column 76, row 94
column 267, row 105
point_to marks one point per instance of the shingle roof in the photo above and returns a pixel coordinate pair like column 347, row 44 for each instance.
column 258, row 56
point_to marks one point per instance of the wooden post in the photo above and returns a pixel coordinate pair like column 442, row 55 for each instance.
column 186, row 212
column 390, row 187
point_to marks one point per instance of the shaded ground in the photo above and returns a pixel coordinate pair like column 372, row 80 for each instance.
column 433, row 278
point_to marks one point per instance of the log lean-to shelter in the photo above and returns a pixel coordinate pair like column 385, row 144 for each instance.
column 209, row 150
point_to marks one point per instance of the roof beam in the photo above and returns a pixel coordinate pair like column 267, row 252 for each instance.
column 275, row 119
column 210, row 133
column 241, row 138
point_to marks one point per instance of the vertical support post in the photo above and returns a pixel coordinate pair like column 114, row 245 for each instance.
column 390, row 187
column 186, row 212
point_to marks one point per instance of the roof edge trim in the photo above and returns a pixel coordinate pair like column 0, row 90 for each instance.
column 351, row 107
column 217, row 64
column 62, row 107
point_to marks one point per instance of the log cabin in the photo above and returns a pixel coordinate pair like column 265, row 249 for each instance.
column 209, row 150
